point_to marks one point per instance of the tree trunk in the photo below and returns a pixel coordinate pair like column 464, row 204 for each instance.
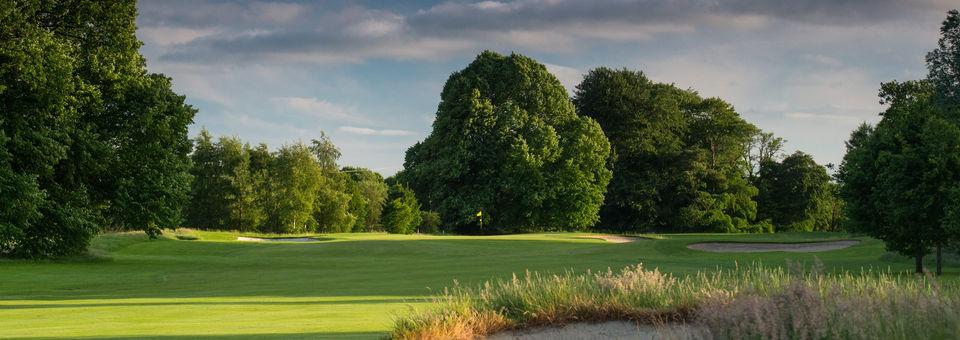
column 919, row 258
column 939, row 259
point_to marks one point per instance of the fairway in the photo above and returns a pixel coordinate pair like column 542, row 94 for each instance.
column 344, row 286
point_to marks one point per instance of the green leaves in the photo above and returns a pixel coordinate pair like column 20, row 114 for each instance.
column 507, row 140
column 899, row 178
column 401, row 215
column 296, row 189
column 794, row 194
column 677, row 158
column 93, row 139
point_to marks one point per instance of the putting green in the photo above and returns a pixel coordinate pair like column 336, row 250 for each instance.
column 348, row 286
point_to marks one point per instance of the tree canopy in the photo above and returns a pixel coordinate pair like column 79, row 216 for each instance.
column 900, row 178
column 506, row 140
column 89, row 138
column 795, row 194
column 677, row 158
column 296, row 189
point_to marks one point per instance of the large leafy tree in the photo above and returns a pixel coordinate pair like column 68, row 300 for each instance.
column 897, row 177
column 677, row 158
column 296, row 177
column 90, row 139
column 335, row 198
column 506, row 140
column 795, row 194
column 151, row 163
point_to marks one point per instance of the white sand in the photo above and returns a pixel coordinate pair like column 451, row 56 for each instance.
column 287, row 239
column 606, row 330
column 614, row 238
column 732, row 247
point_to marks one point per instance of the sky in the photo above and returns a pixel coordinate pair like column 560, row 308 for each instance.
column 369, row 73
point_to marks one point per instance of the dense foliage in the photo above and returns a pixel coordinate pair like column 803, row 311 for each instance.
column 795, row 194
column 677, row 158
column 401, row 215
column 88, row 138
column 506, row 140
column 295, row 189
column 901, row 178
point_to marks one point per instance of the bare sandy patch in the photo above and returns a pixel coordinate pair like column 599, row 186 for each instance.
column 284, row 239
column 614, row 238
column 606, row 330
column 749, row 247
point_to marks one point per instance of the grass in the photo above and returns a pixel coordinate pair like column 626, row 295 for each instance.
column 752, row 302
column 349, row 286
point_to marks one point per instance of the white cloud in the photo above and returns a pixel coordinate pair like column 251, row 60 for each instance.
column 164, row 36
column 320, row 108
column 374, row 132
column 568, row 76
column 822, row 116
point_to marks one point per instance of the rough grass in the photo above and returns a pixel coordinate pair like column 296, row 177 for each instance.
column 756, row 302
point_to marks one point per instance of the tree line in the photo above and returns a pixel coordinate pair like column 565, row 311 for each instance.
column 624, row 154
column 298, row 188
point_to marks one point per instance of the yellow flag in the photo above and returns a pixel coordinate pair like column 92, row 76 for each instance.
column 480, row 213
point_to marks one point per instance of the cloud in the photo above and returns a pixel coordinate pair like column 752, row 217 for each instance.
column 822, row 116
column 374, row 132
column 214, row 32
column 320, row 108
column 568, row 76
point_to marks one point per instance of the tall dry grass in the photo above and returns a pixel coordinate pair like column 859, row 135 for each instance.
column 752, row 302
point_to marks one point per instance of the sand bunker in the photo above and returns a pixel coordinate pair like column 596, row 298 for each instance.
column 733, row 247
column 614, row 238
column 284, row 239
column 606, row 330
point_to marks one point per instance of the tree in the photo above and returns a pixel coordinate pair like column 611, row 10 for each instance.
column 763, row 147
column 369, row 186
column 333, row 203
column 943, row 64
column 244, row 194
column 207, row 206
column 151, row 163
column 296, row 177
column 93, row 140
column 794, row 194
column 897, row 178
column 402, row 212
column 677, row 158
column 507, row 140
